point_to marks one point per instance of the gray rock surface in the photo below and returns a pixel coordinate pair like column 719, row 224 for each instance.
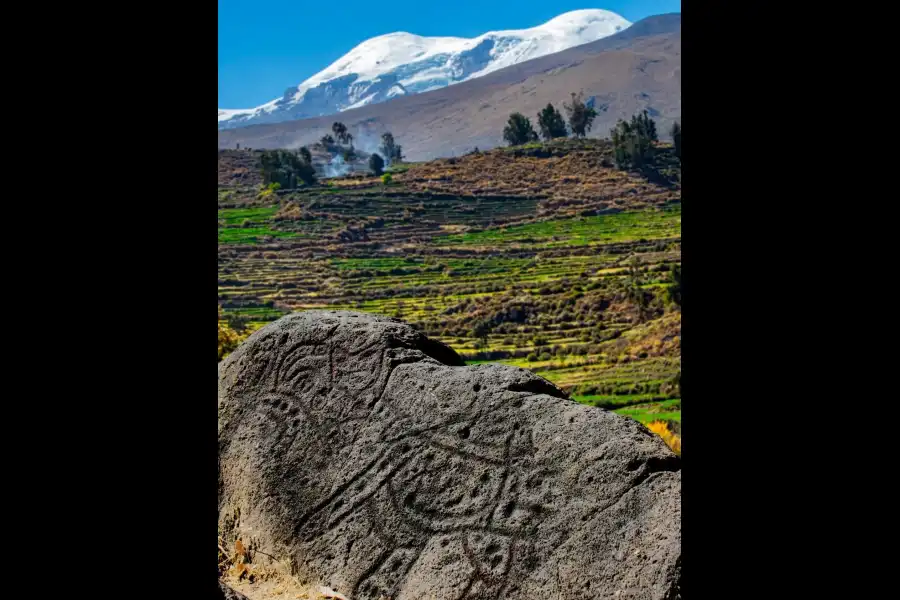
column 228, row 593
column 382, row 466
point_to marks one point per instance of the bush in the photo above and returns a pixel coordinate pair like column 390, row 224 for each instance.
column 386, row 179
column 661, row 428
column 228, row 337
column 376, row 164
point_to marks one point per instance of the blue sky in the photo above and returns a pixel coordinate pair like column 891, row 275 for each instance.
column 266, row 46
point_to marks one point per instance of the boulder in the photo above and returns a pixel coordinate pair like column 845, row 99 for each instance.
column 382, row 466
column 228, row 593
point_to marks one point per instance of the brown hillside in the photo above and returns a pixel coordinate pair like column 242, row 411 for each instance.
column 625, row 75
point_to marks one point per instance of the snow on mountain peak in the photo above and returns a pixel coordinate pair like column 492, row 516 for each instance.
column 402, row 63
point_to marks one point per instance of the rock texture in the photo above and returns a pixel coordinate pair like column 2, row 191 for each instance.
column 227, row 593
column 382, row 466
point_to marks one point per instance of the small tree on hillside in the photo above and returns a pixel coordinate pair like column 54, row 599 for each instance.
column 633, row 142
column 581, row 116
column 327, row 140
column 518, row 130
column 676, row 137
column 391, row 151
column 376, row 165
column 551, row 123
column 340, row 132
column 286, row 169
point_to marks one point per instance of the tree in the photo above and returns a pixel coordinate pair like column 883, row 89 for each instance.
column 391, row 151
column 305, row 154
column 675, row 286
column 348, row 139
column 376, row 164
column 518, row 130
column 633, row 142
column 286, row 168
column 551, row 123
column 327, row 140
column 581, row 116
column 480, row 331
column 676, row 137
column 340, row 131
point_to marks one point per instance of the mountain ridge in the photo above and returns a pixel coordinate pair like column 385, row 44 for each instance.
column 401, row 63
column 636, row 69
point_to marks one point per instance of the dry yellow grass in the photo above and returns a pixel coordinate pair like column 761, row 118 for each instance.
column 580, row 176
column 661, row 429
column 228, row 337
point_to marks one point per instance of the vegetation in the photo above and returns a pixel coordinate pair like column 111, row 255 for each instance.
column 327, row 140
column 518, row 130
column 634, row 142
column 581, row 116
column 286, row 168
column 393, row 153
column 340, row 132
column 228, row 337
column 387, row 178
column 661, row 428
column 376, row 165
column 543, row 256
column 676, row 137
column 551, row 123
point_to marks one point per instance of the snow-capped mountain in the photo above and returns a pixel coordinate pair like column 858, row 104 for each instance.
column 402, row 63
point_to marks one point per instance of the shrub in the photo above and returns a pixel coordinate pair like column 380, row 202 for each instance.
column 661, row 428
column 376, row 164
column 228, row 337
column 386, row 179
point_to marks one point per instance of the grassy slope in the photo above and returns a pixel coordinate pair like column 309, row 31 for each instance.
column 529, row 256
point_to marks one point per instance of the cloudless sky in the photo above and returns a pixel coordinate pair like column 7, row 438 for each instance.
column 267, row 46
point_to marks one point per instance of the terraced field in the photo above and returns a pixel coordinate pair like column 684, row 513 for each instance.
column 579, row 287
